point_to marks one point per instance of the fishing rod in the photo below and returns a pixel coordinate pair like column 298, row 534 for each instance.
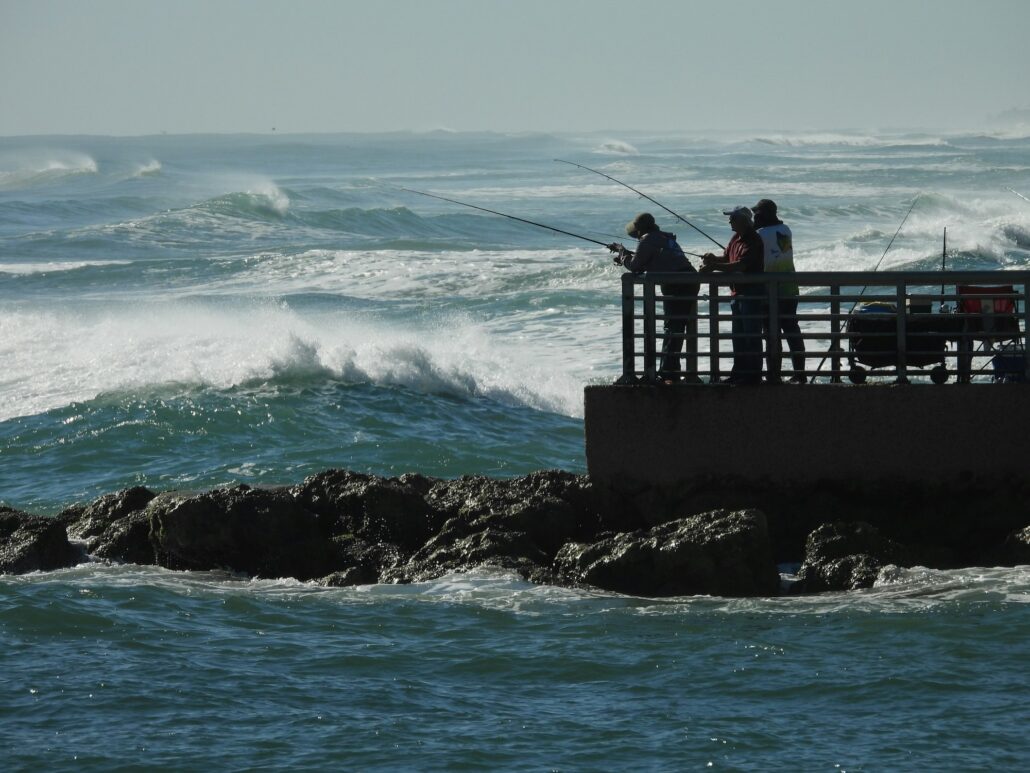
column 513, row 217
column 644, row 195
column 877, row 266
column 1024, row 198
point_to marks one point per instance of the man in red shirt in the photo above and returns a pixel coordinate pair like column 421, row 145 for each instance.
column 746, row 254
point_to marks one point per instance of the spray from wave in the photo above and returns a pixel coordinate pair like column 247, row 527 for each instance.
column 148, row 169
column 616, row 148
column 57, row 358
column 42, row 168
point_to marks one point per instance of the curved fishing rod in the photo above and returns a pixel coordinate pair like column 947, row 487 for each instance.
column 513, row 217
column 644, row 195
column 877, row 266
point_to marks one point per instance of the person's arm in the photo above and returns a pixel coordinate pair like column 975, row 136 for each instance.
column 647, row 250
column 713, row 262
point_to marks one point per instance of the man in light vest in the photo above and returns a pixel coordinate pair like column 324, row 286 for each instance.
column 779, row 257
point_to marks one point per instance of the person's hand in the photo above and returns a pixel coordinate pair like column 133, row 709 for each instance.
column 707, row 258
column 707, row 268
column 616, row 247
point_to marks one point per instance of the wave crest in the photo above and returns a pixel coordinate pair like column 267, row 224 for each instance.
column 46, row 168
column 57, row 358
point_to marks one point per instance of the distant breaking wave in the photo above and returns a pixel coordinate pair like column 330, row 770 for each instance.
column 617, row 148
column 151, row 167
column 850, row 140
column 47, row 170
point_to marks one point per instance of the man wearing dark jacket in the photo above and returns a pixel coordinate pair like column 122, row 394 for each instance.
column 659, row 252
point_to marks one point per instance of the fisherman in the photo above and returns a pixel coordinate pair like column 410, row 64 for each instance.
column 745, row 253
column 779, row 257
column 658, row 251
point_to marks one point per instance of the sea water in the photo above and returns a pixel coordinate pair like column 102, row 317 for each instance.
column 186, row 312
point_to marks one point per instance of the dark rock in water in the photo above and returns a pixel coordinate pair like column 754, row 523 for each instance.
column 91, row 523
column 373, row 508
column 126, row 541
column 550, row 507
column 355, row 575
column 31, row 543
column 846, row 556
column 264, row 533
column 1016, row 549
column 462, row 545
column 364, row 562
column 518, row 524
column 719, row 553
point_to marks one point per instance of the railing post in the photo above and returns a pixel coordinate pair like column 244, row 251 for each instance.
column 835, row 335
column 650, row 333
column 629, row 355
column 902, row 332
column 1026, row 332
column 772, row 287
column 713, row 331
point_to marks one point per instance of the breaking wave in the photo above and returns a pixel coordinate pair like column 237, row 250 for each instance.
column 616, row 148
column 46, row 169
column 55, row 358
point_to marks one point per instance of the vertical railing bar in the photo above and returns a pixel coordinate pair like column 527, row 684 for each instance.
column 713, row 331
column 650, row 374
column 902, row 331
column 835, row 327
column 1026, row 332
column 629, row 375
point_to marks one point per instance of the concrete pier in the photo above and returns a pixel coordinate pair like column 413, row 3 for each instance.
column 669, row 436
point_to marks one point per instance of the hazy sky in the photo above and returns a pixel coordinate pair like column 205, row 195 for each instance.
column 143, row 66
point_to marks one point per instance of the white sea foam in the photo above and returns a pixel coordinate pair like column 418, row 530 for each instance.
column 52, row 266
column 268, row 191
column 55, row 358
column 850, row 140
column 151, row 167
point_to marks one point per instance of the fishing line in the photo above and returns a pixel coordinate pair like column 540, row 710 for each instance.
column 519, row 219
column 877, row 266
column 644, row 195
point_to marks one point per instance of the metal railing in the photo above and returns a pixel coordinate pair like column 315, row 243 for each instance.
column 966, row 324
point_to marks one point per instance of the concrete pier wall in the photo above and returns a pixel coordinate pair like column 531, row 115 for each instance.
column 797, row 435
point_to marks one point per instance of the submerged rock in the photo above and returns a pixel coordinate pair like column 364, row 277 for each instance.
column 724, row 553
column 846, row 556
column 32, row 543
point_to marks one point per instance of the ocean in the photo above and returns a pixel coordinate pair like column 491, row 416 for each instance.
column 191, row 311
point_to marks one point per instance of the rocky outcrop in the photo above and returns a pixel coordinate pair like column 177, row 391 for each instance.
column 344, row 528
column 31, row 543
column 260, row 532
column 90, row 524
column 720, row 553
column 846, row 556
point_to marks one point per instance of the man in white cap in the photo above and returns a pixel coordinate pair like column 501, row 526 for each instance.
column 745, row 253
